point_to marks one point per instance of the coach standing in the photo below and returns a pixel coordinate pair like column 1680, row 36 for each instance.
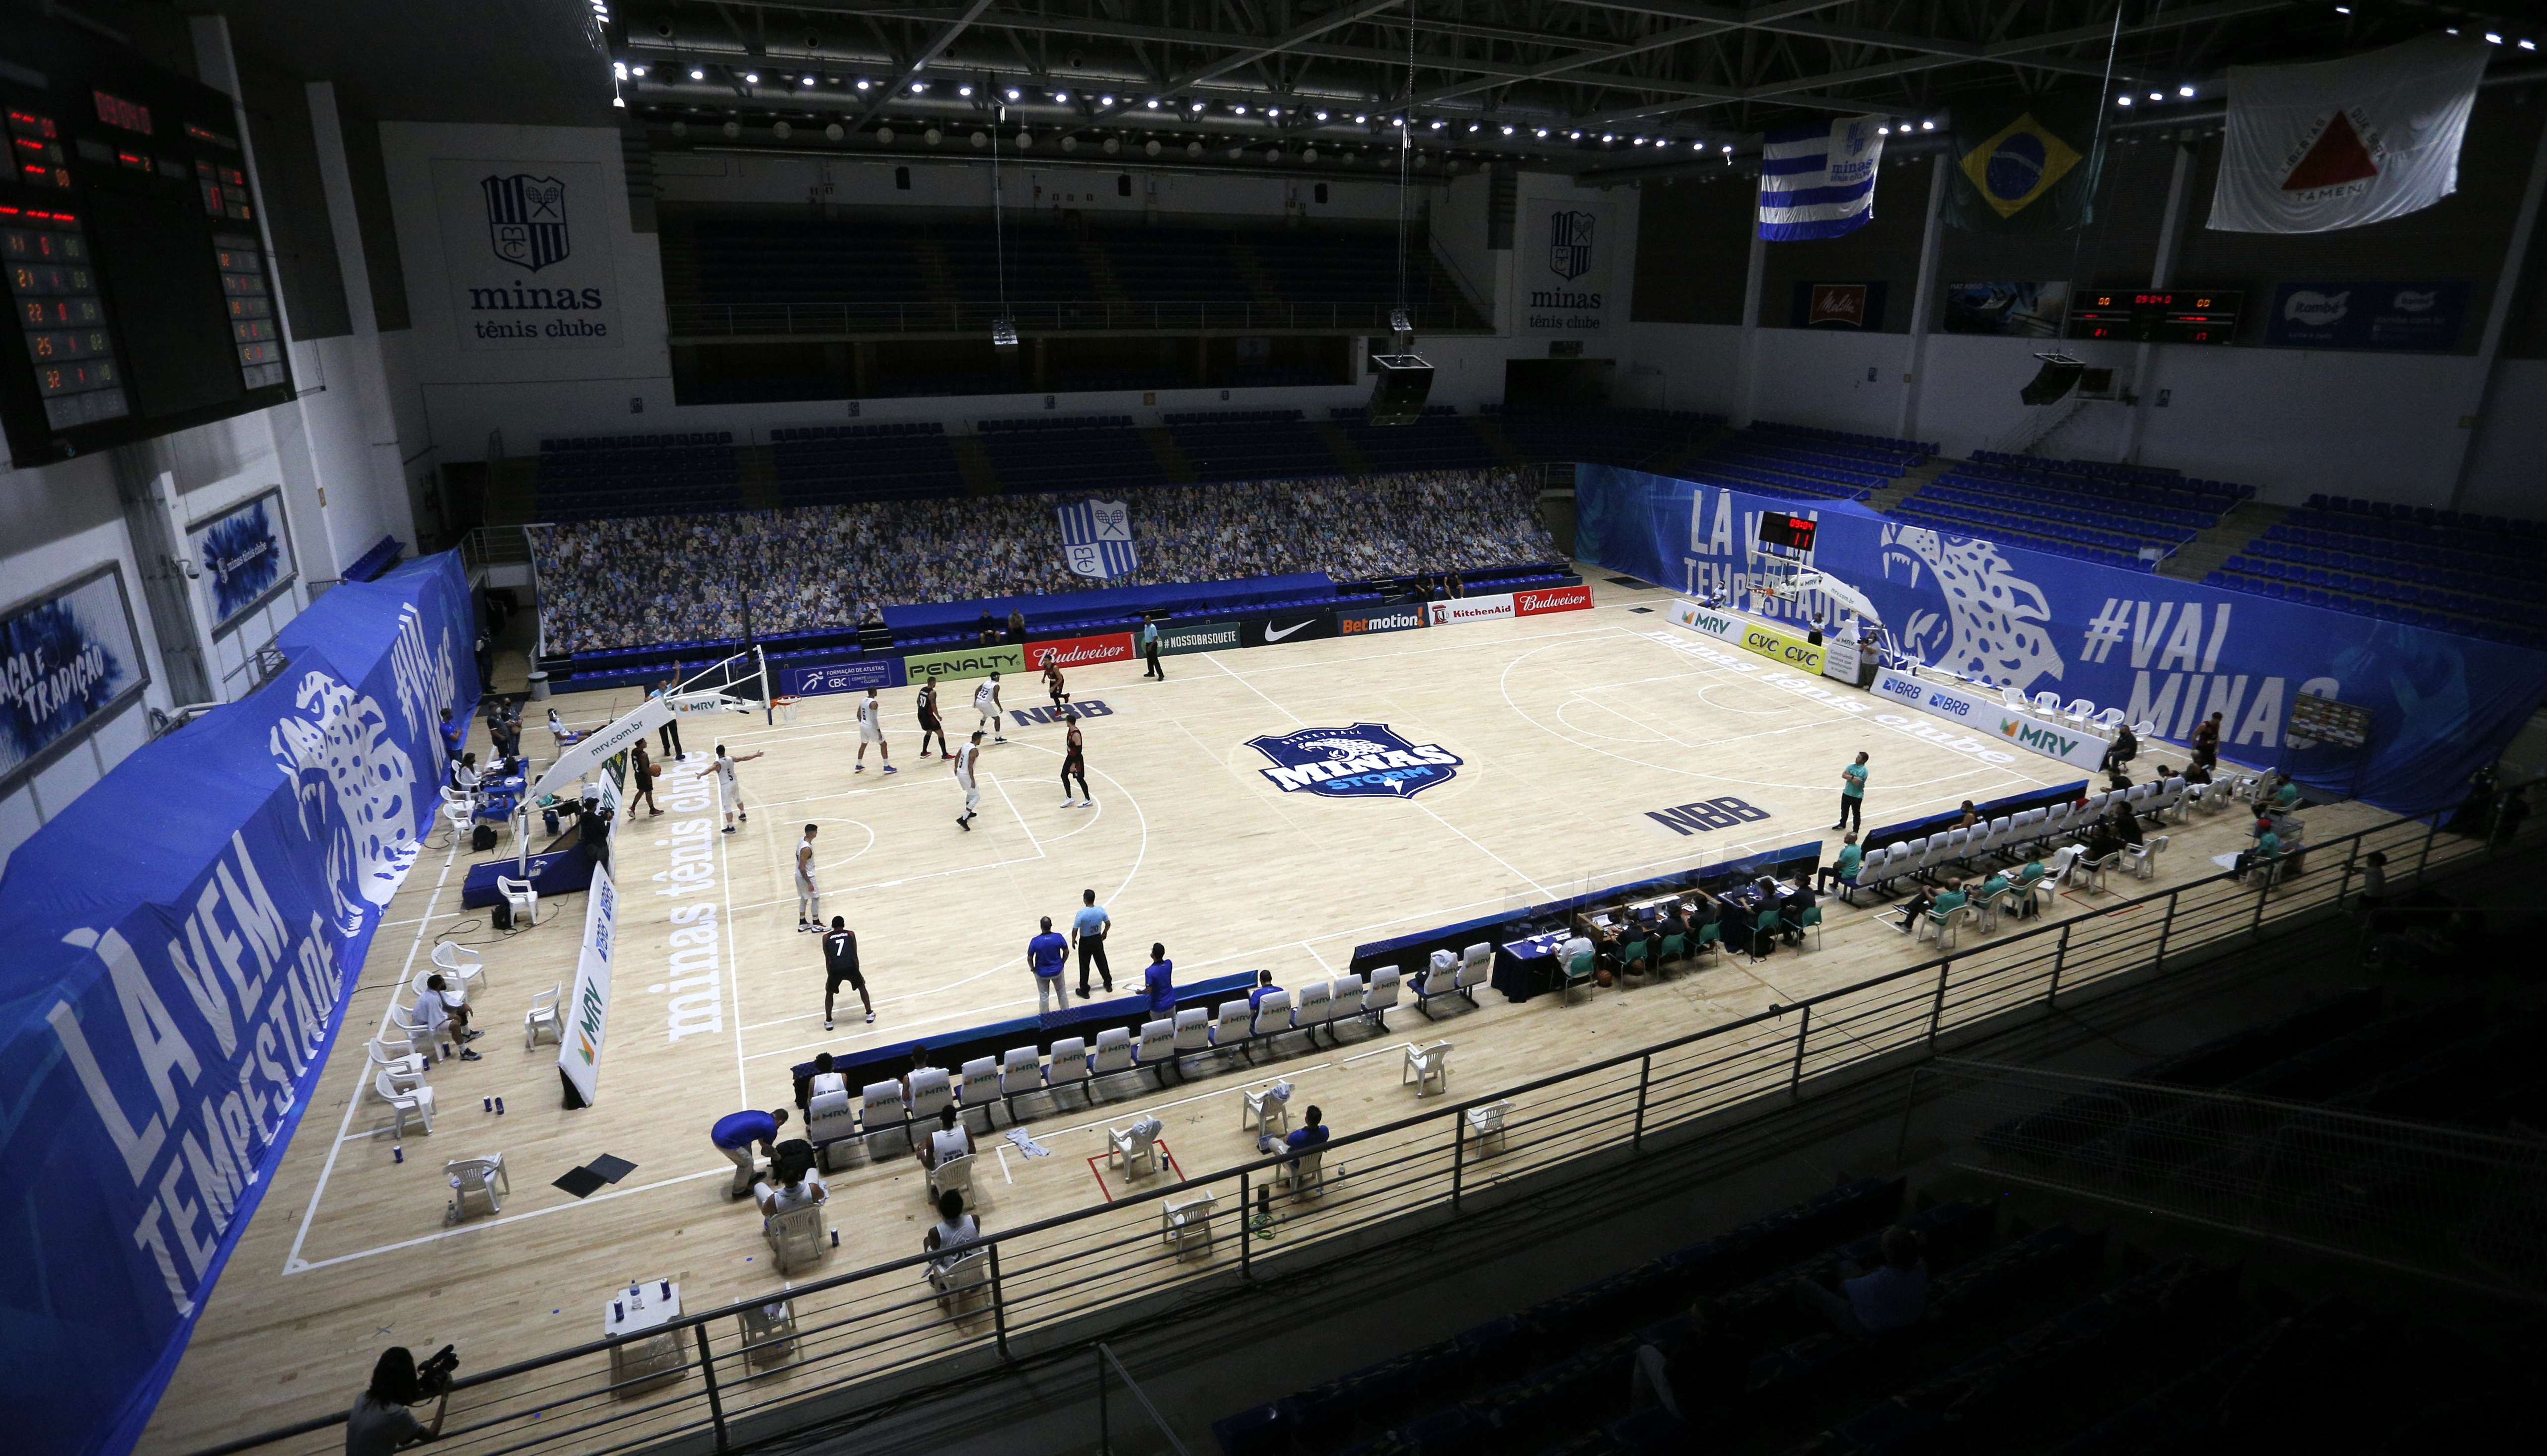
column 1044, row 955
column 1852, row 796
column 1087, row 932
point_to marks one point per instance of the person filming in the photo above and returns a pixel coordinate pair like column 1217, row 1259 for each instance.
column 381, row 1419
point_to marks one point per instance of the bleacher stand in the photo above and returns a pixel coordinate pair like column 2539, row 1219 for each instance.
column 1438, row 441
column 1802, row 463
column 1639, row 439
column 1097, row 453
column 2115, row 515
column 2448, row 570
column 835, row 464
column 1252, row 445
column 637, row 476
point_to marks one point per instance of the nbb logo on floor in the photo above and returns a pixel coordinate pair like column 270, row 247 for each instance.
column 1706, row 815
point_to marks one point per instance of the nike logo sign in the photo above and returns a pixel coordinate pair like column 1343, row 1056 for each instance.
column 1272, row 635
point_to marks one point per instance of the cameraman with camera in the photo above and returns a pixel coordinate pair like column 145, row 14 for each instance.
column 381, row 1422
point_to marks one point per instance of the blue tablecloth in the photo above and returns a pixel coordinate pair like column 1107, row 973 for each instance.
column 563, row 872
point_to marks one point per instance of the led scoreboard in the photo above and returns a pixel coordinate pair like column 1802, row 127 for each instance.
column 2165, row 316
column 135, row 273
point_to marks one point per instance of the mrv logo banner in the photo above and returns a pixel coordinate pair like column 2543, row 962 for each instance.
column 2164, row 652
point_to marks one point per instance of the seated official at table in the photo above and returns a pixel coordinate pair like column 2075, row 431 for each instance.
column 1734, row 925
column 1790, row 913
column 1951, row 897
column 1674, row 920
column 1606, row 945
column 1842, row 870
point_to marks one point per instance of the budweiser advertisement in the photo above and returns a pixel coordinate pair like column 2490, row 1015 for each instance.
column 1554, row 599
column 1079, row 651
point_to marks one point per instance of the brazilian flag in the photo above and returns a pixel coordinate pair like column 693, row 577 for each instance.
column 2024, row 165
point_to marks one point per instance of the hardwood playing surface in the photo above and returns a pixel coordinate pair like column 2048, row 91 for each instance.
column 1569, row 728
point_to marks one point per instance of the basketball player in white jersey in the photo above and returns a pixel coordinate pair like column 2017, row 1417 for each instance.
column 965, row 758
column 986, row 701
column 809, row 897
column 728, row 788
column 871, row 731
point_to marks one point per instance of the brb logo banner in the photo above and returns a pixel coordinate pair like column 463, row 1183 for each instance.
column 1368, row 760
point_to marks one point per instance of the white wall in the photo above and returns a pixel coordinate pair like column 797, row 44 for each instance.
column 2290, row 422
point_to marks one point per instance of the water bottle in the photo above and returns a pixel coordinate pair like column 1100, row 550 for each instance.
column 397, row 1154
column 499, row 1107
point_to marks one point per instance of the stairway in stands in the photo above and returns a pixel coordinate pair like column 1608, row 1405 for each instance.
column 1172, row 458
column 1341, row 446
column 1911, row 481
column 1250, row 271
column 1486, row 427
column 980, row 477
column 2202, row 556
column 757, row 482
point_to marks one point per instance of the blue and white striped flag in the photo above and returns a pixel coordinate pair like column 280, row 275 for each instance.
column 1096, row 538
column 1818, row 181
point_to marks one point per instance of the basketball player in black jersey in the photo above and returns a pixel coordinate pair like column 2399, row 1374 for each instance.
column 1073, row 765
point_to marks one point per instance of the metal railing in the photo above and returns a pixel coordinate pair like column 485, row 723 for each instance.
column 721, row 1376
column 832, row 320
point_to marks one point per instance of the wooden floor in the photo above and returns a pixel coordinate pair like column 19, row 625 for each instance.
column 1570, row 728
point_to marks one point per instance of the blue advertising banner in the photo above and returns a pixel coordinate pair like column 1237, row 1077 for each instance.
column 245, row 556
column 854, row 677
column 183, row 939
column 68, row 660
column 2418, row 317
column 2165, row 651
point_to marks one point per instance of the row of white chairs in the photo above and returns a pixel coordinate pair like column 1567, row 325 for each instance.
column 1163, row 1044
column 2009, row 833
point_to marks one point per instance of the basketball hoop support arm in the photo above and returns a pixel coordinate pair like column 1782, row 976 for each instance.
column 581, row 761
column 1839, row 592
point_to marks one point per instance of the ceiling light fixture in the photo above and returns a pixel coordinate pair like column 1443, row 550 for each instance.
column 2157, row 96
column 1105, row 101
column 1437, row 124
column 751, row 77
column 809, row 80
column 2185, row 90
column 1061, row 95
column 2122, row 101
column 1152, row 103
column 698, row 75
column 637, row 72
column 1605, row 136
column 1012, row 93
column 1542, row 132
column 1927, row 125
column 1322, row 116
column 1239, row 109
column 964, row 90
column 1883, row 131
column 864, row 83
column 1507, row 131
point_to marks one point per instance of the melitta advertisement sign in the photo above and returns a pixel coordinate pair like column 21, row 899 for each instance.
column 966, row 662
column 1563, row 267
column 1778, row 645
column 1079, row 651
column 2077, row 749
column 246, row 556
column 526, row 248
column 587, row 1011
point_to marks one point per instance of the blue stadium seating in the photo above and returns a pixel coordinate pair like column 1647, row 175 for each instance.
column 835, row 464
column 1099, row 453
column 1439, row 441
column 637, row 476
column 2477, row 576
column 1252, row 445
column 1637, row 439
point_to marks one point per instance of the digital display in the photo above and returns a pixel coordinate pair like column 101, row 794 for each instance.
column 1794, row 533
column 141, row 296
column 114, row 110
column 2165, row 316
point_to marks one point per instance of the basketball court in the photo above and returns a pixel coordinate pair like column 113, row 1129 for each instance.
column 1571, row 733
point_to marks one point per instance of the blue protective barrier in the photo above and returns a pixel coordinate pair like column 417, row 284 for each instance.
column 183, row 939
column 2165, row 651
column 1230, row 596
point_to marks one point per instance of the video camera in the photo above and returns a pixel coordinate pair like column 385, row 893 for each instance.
column 433, row 1377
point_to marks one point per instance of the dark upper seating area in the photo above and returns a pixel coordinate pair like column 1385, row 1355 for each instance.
column 1252, row 445
column 877, row 264
column 2115, row 515
column 2446, row 570
column 1638, row 439
column 1806, row 464
column 588, row 476
column 1440, row 441
column 1086, row 453
column 835, row 464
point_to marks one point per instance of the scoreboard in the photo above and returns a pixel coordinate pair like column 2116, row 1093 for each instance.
column 141, row 297
column 1793, row 533
column 2165, row 316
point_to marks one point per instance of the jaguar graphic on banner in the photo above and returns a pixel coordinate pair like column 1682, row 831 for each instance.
column 2165, row 651
column 1368, row 760
column 1564, row 284
column 245, row 556
column 526, row 249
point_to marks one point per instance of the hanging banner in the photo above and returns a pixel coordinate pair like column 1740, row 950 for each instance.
column 1096, row 539
column 1562, row 269
column 245, row 556
column 72, row 660
column 2343, row 143
column 1817, row 181
column 2165, row 651
column 2025, row 164
column 182, row 940
column 2417, row 317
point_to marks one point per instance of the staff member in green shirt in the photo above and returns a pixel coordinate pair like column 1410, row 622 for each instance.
column 1852, row 796
column 1843, row 869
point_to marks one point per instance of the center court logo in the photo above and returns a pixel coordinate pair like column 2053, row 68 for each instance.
column 1368, row 760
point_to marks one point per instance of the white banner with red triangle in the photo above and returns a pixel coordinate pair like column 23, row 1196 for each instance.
column 2341, row 144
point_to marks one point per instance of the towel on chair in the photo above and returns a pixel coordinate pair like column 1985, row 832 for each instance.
column 1028, row 1145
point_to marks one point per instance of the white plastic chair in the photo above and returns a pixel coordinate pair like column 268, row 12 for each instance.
column 1156, row 1046
column 524, row 900
column 1193, row 1034
column 2142, row 858
column 1263, row 1112
column 1343, row 1006
column 930, row 1094
column 1309, row 1009
column 416, row 1098
column 1135, row 1148
column 2080, row 712
column 1427, row 1066
column 1304, row 1174
column 2046, row 702
column 1487, row 1122
column 543, row 1017
column 406, row 1065
column 408, row 1022
column 476, row 1177
column 1273, row 1014
column 1181, row 1223
column 952, row 1174
column 964, row 1276
column 460, row 810
column 460, row 966
column 1230, row 1032
column 796, row 1237
column 880, row 1111
column 829, row 1120
column 1476, row 967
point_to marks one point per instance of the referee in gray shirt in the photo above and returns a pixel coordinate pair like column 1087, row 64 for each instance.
column 1087, row 932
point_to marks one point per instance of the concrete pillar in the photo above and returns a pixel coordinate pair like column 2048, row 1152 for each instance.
column 2524, row 224
column 1923, row 302
column 1746, row 384
column 2170, row 235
